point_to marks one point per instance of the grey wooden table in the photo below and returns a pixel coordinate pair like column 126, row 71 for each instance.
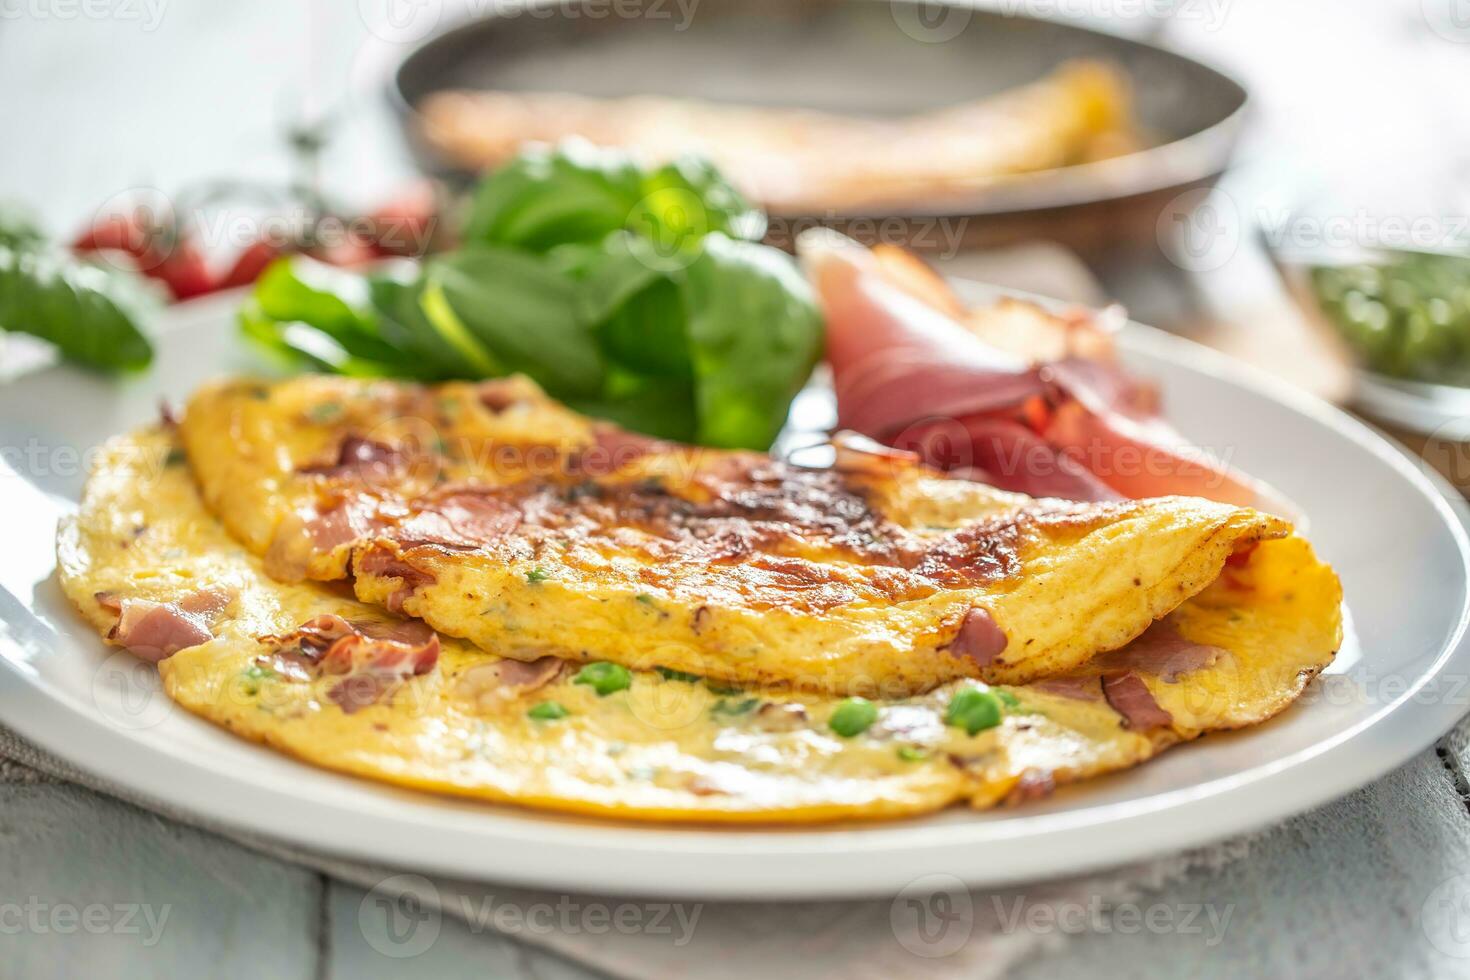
column 113, row 94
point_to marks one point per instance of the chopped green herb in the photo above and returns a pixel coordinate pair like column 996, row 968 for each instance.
column 548, row 711
column 853, row 717
column 325, row 412
column 644, row 598
column 910, row 753
column 604, row 678
column 669, row 674
column 974, row 710
column 1008, row 699
column 175, row 457
column 536, row 575
column 716, row 687
column 253, row 675
column 725, row 706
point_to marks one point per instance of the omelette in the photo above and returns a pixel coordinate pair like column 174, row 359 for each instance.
column 498, row 516
column 805, row 161
column 305, row 667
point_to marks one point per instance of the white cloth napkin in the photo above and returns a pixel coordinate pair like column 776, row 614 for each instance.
column 940, row 932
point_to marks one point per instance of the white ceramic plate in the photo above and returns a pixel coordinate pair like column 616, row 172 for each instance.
column 1398, row 683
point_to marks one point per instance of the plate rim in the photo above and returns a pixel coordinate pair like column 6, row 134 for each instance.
column 623, row 858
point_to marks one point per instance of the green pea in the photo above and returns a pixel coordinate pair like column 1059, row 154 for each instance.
column 974, row 710
column 548, row 711
column 853, row 717
column 910, row 753
column 604, row 678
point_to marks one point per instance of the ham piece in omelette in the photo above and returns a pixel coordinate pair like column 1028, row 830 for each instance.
column 497, row 516
column 306, row 669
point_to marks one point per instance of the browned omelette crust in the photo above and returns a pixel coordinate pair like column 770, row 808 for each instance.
column 497, row 516
column 663, row 747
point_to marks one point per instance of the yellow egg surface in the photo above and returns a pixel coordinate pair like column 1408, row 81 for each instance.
column 502, row 518
column 649, row 744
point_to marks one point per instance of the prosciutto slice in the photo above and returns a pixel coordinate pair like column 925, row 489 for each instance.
column 505, row 679
column 156, row 631
column 1163, row 652
column 371, row 658
column 1130, row 697
column 909, row 374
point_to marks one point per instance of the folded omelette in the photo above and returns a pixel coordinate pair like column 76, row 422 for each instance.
column 496, row 515
column 471, row 589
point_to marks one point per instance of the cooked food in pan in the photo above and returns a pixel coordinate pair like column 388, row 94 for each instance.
column 799, row 161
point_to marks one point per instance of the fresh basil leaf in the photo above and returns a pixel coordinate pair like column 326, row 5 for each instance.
column 437, row 312
column 638, row 308
column 333, row 301
column 755, row 334
column 87, row 311
column 297, row 345
column 578, row 193
column 524, row 313
column 687, row 199
column 543, row 198
column 406, row 326
column 18, row 232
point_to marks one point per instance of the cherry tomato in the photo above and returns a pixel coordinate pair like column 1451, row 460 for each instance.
column 404, row 225
column 184, row 271
column 348, row 253
column 248, row 265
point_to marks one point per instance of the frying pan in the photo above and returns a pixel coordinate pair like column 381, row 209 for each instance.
column 872, row 57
